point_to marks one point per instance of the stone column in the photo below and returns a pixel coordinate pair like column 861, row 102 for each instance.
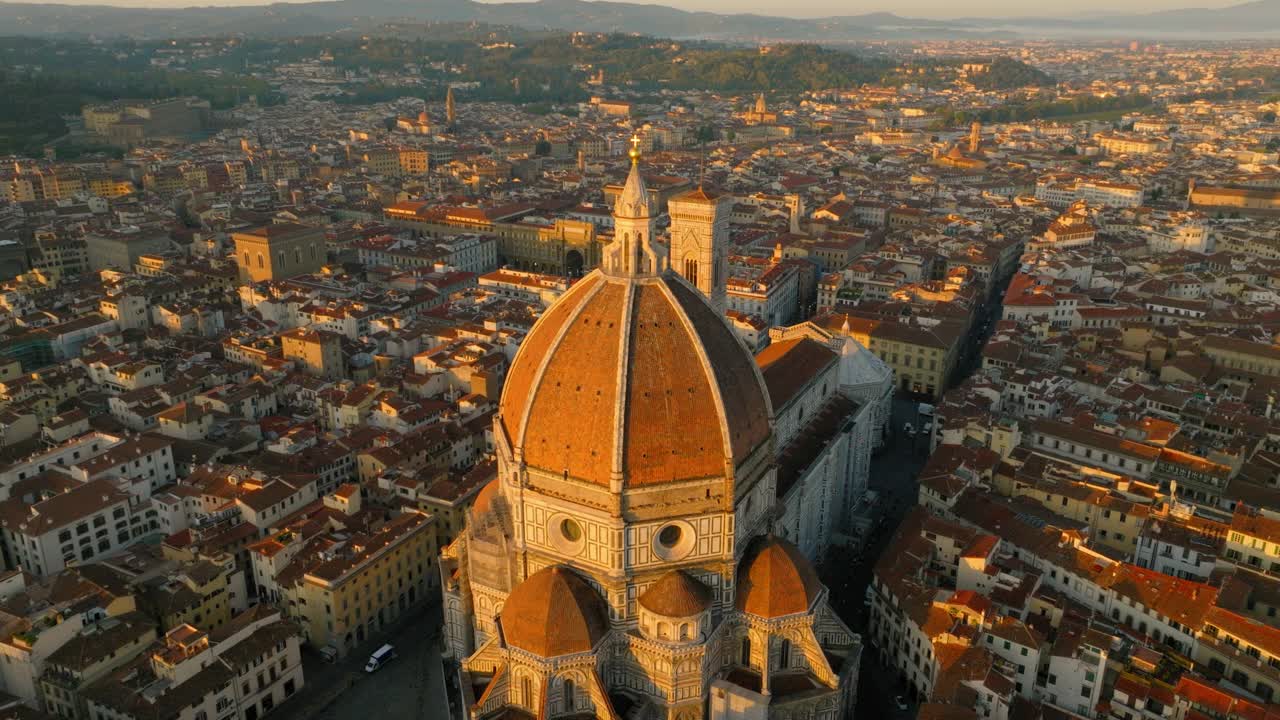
column 764, row 665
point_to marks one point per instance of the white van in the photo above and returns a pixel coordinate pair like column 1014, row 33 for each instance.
column 380, row 657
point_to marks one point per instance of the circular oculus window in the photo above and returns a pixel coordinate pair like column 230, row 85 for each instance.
column 674, row 541
column 565, row 534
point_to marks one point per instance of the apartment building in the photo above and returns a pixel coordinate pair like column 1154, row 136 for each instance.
column 53, row 521
column 99, row 649
column 359, row 586
column 243, row 671
column 1253, row 540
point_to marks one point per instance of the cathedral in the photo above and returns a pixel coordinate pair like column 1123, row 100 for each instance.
column 631, row 560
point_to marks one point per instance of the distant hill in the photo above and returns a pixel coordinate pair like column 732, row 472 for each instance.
column 1257, row 16
column 1260, row 16
column 309, row 18
column 320, row 17
column 1253, row 18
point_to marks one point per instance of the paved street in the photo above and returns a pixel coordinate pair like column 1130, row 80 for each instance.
column 894, row 473
column 410, row 687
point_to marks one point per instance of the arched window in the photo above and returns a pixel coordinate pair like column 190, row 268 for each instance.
column 664, row 630
column 526, row 692
column 746, row 651
column 260, row 262
column 568, row 695
column 297, row 255
column 280, row 255
column 684, row 631
column 246, row 258
column 784, row 654
column 691, row 270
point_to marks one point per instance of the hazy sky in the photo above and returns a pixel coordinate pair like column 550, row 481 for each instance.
column 930, row 8
column 818, row 8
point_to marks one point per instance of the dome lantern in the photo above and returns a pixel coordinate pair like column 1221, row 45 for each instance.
column 633, row 252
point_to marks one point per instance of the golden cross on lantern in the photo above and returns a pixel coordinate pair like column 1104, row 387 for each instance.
column 635, row 141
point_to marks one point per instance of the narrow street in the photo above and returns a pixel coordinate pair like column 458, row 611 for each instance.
column 410, row 687
column 847, row 573
column 894, row 474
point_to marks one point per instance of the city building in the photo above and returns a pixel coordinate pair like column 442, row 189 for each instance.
column 245, row 670
column 641, row 566
column 277, row 252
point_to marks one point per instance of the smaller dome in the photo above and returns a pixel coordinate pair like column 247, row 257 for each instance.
column 676, row 594
column 554, row 612
column 484, row 499
column 775, row 579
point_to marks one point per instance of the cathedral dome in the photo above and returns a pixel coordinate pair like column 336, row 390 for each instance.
column 676, row 594
column 636, row 379
column 554, row 612
column 775, row 579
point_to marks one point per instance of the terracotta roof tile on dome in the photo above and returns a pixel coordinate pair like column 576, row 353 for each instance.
column 676, row 594
column 543, row 336
column 484, row 499
column 554, row 612
column 691, row 404
column 741, row 387
column 775, row 579
column 674, row 426
column 572, row 411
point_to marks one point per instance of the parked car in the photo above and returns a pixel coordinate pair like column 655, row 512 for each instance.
column 901, row 702
column 909, row 429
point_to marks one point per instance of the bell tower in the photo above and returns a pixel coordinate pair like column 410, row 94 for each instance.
column 700, row 242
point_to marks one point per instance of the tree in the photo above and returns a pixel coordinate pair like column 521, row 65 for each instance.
column 542, row 148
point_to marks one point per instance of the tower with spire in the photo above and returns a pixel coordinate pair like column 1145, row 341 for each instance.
column 450, row 109
column 633, row 250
